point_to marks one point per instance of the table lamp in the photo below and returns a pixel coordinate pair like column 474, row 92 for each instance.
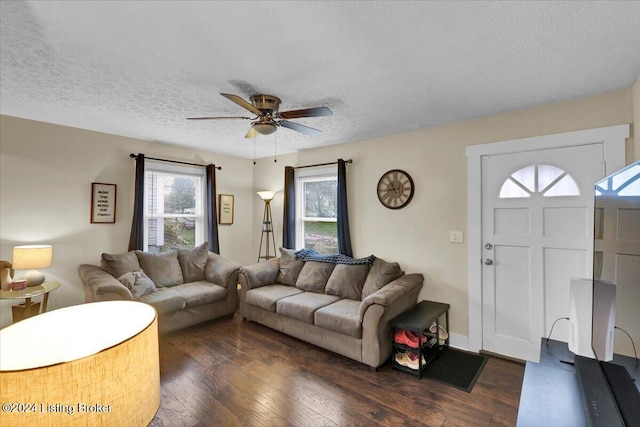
column 30, row 257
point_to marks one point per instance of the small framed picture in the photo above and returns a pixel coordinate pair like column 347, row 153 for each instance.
column 225, row 209
column 103, row 203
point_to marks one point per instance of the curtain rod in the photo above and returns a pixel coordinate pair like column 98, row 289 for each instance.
column 321, row 164
column 135, row 156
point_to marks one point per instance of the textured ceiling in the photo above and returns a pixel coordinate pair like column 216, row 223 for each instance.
column 139, row 68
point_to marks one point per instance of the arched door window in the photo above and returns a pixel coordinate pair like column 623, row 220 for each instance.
column 547, row 180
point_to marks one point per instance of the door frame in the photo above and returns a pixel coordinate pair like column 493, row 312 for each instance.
column 613, row 140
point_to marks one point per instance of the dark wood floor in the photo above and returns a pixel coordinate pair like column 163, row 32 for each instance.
column 234, row 373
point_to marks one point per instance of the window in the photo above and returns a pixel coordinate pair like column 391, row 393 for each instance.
column 316, row 210
column 547, row 180
column 174, row 207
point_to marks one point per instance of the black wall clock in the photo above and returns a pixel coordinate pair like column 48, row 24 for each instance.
column 395, row 189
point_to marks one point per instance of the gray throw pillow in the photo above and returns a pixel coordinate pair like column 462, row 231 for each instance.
column 346, row 281
column 290, row 267
column 119, row 264
column 193, row 261
column 163, row 268
column 314, row 276
column 138, row 283
column 380, row 274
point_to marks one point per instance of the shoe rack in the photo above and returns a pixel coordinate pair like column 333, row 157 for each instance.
column 418, row 321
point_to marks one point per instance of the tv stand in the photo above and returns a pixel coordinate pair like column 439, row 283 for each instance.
column 551, row 394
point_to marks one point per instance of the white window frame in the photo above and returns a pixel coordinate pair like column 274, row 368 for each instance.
column 201, row 198
column 310, row 175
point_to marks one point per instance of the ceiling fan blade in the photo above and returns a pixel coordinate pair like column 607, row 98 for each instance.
column 306, row 112
column 241, row 102
column 217, row 118
column 299, row 128
column 252, row 132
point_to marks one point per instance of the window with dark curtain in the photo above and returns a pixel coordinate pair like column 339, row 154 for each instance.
column 289, row 221
column 136, row 239
column 344, row 234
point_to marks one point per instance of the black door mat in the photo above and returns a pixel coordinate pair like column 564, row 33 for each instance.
column 456, row 368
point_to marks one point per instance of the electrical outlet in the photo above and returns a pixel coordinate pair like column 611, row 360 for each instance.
column 456, row 236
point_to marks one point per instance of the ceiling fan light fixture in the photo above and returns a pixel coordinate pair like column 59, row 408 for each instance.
column 264, row 128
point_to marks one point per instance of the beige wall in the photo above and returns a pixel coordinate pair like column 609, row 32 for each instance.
column 46, row 173
column 418, row 236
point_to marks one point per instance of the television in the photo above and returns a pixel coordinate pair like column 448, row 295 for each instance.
column 611, row 301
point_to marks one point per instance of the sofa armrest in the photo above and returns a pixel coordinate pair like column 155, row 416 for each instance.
column 392, row 292
column 101, row 286
column 221, row 271
column 260, row 274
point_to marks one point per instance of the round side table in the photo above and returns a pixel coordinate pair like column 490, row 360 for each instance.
column 30, row 292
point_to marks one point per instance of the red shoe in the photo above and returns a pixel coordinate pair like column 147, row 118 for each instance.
column 402, row 337
column 414, row 337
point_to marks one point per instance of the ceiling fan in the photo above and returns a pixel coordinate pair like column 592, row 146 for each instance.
column 268, row 118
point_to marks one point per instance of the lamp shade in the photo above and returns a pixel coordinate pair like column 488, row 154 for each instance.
column 264, row 128
column 28, row 257
column 266, row 195
column 93, row 364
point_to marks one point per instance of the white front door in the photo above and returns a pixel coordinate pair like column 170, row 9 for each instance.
column 537, row 232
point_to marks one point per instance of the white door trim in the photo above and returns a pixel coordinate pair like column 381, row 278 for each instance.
column 613, row 140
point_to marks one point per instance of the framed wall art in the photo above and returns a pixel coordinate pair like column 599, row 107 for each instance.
column 103, row 203
column 225, row 209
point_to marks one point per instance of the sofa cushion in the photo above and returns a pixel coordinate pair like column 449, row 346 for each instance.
column 163, row 268
column 119, row 264
column 380, row 274
column 314, row 276
column 200, row 293
column 347, row 281
column 192, row 262
column 303, row 305
column 289, row 267
column 267, row 296
column 165, row 300
column 138, row 283
column 341, row 316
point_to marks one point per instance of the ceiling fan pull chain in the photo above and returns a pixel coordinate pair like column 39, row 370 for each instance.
column 254, row 149
column 275, row 149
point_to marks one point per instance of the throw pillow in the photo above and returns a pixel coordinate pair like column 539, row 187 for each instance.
column 193, row 261
column 346, row 281
column 138, row 283
column 163, row 268
column 381, row 273
column 314, row 276
column 119, row 264
column 290, row 267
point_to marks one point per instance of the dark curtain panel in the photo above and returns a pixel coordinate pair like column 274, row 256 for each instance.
column 212, row 210
column 344, row 235
column 136, row 239
column 289, row 220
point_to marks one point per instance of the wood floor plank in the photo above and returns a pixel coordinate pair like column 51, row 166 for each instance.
column 231, row 372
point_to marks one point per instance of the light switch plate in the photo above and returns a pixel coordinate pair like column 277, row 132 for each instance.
column 456, row 236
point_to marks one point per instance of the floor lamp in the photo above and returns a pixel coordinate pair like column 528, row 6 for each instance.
column 267, row 227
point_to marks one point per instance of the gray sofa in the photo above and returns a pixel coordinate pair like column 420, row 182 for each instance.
column 184, row 286
column 343, row 308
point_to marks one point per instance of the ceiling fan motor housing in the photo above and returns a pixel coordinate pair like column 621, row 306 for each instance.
column 266, row 103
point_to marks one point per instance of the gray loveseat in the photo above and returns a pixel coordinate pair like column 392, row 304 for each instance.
column 185, row 286
column 341, row 307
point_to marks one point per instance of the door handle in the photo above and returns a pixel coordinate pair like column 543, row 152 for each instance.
column 488, row 261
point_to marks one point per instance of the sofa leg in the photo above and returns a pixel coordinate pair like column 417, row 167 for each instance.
column 373, row 369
